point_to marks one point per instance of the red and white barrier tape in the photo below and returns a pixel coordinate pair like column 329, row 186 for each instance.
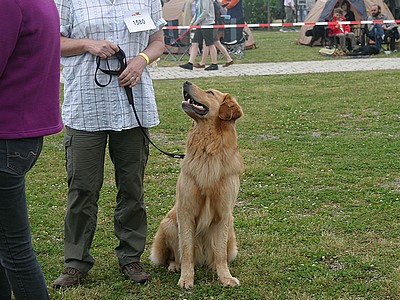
column 284, row 24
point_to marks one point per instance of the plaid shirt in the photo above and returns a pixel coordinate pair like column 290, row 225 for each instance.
column 90, row 107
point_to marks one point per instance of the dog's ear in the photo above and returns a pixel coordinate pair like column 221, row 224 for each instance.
column 229, row 109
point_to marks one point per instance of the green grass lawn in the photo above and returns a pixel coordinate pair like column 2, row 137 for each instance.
column 317, row 215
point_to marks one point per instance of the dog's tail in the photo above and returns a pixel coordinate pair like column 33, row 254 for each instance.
column 165, row 244
column 160, row 252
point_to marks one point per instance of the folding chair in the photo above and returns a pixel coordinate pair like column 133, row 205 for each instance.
column 177, row 44
column 390, row 37
column 234, row 38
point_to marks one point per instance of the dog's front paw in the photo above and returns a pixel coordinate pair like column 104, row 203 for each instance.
column 185, row 283
column 230, row 281
column 174, row 266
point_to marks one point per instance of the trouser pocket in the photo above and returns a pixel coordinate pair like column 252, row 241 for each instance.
column 22, row 154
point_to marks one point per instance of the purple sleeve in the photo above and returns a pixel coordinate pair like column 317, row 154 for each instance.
column 10, row 24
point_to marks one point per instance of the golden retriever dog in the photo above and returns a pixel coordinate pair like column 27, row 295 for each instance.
column 198, row 230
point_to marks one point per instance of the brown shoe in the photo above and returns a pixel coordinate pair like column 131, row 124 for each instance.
column 68, row 278
column 135, row 272
column 199, row 66
column 228, row 64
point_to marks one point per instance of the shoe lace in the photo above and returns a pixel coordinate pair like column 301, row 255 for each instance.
column 71, row 271
column 135, row 267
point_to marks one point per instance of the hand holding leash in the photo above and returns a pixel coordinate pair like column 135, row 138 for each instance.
column 133, row 71
column 120, row 55
column 101, row 48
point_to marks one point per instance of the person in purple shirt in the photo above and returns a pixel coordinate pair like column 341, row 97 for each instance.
column 29, row 110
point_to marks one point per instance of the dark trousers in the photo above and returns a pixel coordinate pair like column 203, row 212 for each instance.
column 19, row 269
column 376, row 35
column 85, row 154
column 236, row 33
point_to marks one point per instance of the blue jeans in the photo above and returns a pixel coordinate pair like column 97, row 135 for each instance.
column 19, row 269
column 376, row 34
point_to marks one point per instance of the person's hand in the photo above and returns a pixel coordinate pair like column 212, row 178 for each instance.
column 101, row 48
column 133, row 71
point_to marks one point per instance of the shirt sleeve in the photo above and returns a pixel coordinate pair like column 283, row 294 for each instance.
column 204, row 11
column 64, row 10
column 10, row 24
column 156, row 15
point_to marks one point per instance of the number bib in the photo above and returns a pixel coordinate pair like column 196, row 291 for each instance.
column 139, row 21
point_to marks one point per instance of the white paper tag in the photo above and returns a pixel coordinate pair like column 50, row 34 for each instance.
column 139, row 21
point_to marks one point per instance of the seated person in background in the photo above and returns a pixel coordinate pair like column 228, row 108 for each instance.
column 342, row 31
column 377, row 32
column 347, row 13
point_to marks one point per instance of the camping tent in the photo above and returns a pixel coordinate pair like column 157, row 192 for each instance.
column 173, row 10
column 323, row 9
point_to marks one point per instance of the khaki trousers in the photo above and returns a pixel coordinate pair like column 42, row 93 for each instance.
column 85, row 154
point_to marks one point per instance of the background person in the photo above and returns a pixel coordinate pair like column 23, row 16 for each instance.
column 188, row 11
column 29, row 110
column 347, row 12
column 95, row 116
column 234, row 8
column 342, row 31
column 309, row 5
column 220, row 47
column 290, row 11
column 377, row 32
column 204, row 16
column 217, row 42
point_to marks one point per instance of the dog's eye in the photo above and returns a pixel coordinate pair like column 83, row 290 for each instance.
column 210, row 92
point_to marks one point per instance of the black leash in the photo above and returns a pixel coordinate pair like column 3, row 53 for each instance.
column 120, row 55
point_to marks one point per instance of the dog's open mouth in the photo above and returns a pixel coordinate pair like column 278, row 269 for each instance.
column 189, row 103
